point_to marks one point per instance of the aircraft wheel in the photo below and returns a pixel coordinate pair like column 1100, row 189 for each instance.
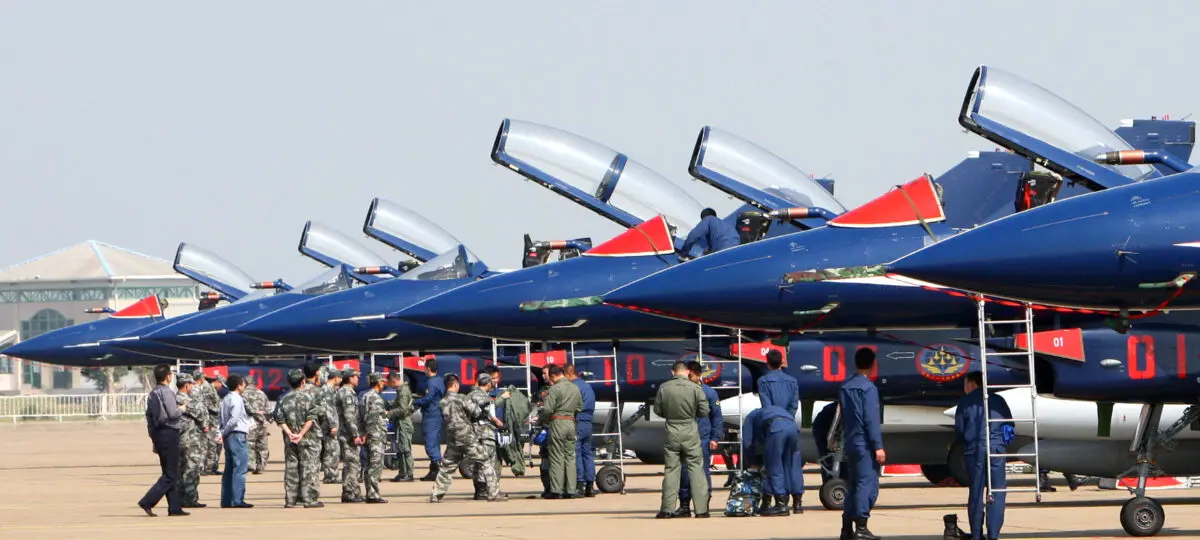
column 1142, row 516
column 956, row 462
column 935, row 473
column 608, row 479
column 650, row 458
column 833, row 494
column 465, row 468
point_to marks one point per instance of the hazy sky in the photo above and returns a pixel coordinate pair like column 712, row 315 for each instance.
column 229, row 124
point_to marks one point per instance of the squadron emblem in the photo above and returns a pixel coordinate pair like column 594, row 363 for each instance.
column 711, row 371
column 942, row 363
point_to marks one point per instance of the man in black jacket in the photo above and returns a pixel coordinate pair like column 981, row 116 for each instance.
column 163, row 422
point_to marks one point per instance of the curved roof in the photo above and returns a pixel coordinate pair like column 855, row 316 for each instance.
column 89, row 260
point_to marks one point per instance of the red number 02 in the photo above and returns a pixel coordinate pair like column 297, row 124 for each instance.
column 828, row 362
column 1135, row 371
column 638, row 376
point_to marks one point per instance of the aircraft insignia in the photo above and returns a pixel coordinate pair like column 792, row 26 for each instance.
column 943, row 363
column 711, row 372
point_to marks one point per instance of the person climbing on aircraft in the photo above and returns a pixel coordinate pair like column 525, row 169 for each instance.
column 717, row 234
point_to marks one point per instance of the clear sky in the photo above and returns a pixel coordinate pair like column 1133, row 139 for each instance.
column 229, row 124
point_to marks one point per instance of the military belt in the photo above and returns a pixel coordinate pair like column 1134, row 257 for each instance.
column 560, row 417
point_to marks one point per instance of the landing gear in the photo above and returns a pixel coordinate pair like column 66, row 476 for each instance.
column 935, row 473
column 1141, row 515
column 833, row 494
column 609, row 479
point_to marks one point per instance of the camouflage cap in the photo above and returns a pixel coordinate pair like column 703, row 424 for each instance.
column 198, row 374
column 374, row 378
column 295, row 376
column 349, row 372
column 249, row 379
column 334, row 373
column 184, row 378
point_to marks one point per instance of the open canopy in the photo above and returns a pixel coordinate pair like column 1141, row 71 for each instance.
column 407, row 231
column 590, row 173
column 334, row 248
column 206, row 267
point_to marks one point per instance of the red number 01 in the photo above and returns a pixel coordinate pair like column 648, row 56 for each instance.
column 1135, row 371
column 828, row 363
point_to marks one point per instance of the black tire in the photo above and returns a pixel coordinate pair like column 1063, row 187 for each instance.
column 1142, row 516
column 651, row 458
column 936, row 473
column 833, row 494
column 957, row 464
column 608, row 479
column 465, row 468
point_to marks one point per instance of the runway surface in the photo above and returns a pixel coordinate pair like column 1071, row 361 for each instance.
column 82, row 480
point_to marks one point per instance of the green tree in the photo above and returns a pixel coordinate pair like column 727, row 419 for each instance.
column 105, row 378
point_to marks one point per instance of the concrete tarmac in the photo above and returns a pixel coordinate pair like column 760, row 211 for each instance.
column 83, row 479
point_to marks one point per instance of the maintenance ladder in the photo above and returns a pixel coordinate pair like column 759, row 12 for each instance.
column 1025, row 325
column 616, row 412
column 731, row 336
column 523, row 347
column 188, row 366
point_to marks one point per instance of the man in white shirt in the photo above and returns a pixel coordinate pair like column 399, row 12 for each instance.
column 235, row 424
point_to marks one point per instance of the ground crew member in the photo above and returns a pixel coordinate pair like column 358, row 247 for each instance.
column 717, row 234
column 681, row 402
column 326, row 416
column 585, row 455
column 563, row 402
column 400, row 412
column 218, row 391
column 462, row 442
column 977, row 434
column 778, row 388
column 541, row 438
column 485, row 474
column 297, row 415
column 374, row 422
column 346, row 401
column 775, row 430
column 862, row 441
column 821, row 427
column 331, row 444
column 256, row 406
column 206, row 398
column 192, row 447
column 431, row 418
column 712, row 430
column 513, row 407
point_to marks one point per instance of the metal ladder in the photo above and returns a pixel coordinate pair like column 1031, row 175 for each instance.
column 524, row 347
column 616, row 412
column 1026, row 326
column 730, row 335
column 189, row 365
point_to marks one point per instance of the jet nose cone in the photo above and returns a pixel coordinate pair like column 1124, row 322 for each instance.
column 288, row 325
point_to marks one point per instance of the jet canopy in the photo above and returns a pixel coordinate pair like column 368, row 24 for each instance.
column 457, row 263
column 407, row 231
column 725, row 159
column 335, row 279
column 206, row 267
column 334, row 248
column 1022, row 115
column 607, row 181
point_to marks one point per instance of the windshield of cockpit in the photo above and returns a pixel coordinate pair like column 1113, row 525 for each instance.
column 1028, row 108
column 449, row 265
column 215, row 270
column 410, row 226
column 739, row 159
column 332, row 280
column 339, row 247
column 595, row 169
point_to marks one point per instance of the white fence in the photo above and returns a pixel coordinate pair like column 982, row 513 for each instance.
column 59, row 407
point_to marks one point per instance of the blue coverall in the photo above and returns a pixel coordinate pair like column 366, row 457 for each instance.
column 431, row 417
column 779, row 389
column 712, row 428
column 585, row 458
column 776, row 430
column 717, row 233
column 862, row 435
column 821, row 427
column 974, row 433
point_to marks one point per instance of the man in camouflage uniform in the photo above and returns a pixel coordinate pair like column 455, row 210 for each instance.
column 256, row 407
column 326, row 423
column 401, row 410
column 374, row 422
column 460, row 416
column 562, row 403
column 207, row 401
column 331, row 444
column 296, row 414
column 485, row 473
column 191, row 443
column 346, row 401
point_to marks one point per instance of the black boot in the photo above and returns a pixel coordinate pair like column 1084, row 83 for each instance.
column 546, row 484
column 777, row 509
column 1072, row 481
column 587, row 490
column 480, row 491
column 764, row 505
column 434, row 467
column 797, row 508
column 401, row 477
column 952, row 531
column 847, row 529
column 684, row 510
column 1044, row 480
column 861, row 532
